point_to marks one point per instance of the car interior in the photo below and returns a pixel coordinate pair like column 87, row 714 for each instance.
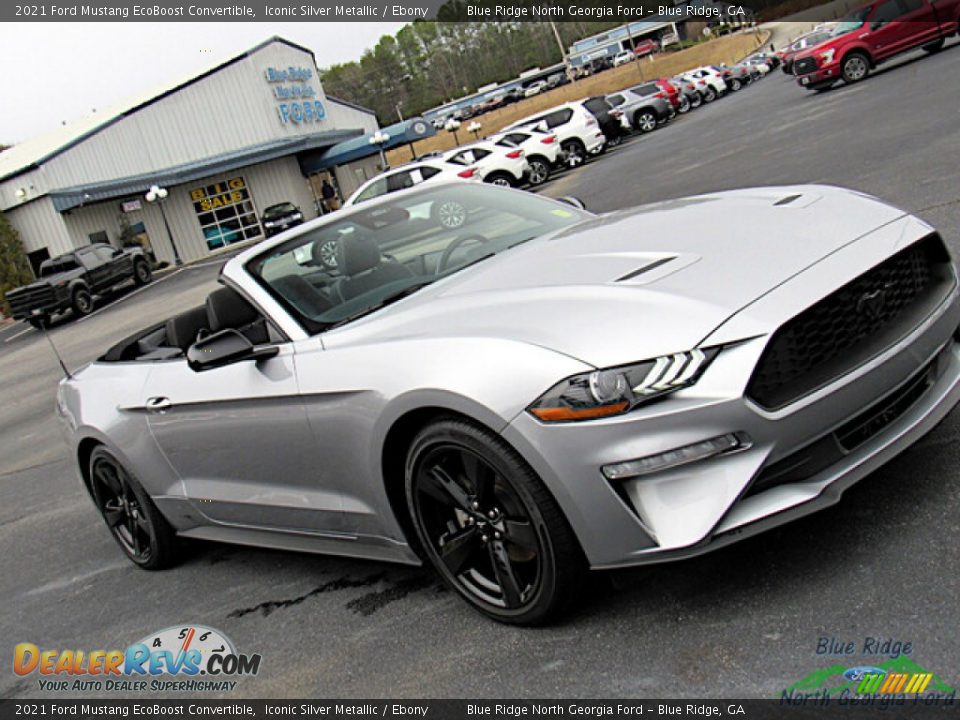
column 224, row 309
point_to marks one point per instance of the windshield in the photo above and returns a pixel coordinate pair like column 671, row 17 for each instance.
column 371, row 256
column 851, row 22
column 281, row 209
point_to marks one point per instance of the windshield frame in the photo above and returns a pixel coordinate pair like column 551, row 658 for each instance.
column 315, row 328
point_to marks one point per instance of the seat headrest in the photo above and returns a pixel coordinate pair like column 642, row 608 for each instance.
column 182, row 329
column 227, row 309
column 357, row 254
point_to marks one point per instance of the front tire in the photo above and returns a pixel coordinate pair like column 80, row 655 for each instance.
column 142, row 533
column 855, row 67
column 935, row 46
column 141, row 272
column 684, row 106
column 735, row 84
column 489, row 526
column 710, row 95
column 576, row 153
column 81, row 302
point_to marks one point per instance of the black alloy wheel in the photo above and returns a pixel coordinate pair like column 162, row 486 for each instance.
column 489, row 526
column 576, row 153
column 143, row 534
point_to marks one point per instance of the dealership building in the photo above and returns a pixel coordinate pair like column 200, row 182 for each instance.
column 251, row 132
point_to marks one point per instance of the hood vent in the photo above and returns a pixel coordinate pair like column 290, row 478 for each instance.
column 645, row 268
column 788, row 199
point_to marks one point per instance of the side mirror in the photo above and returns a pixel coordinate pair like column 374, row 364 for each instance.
column 877, row 24
column 117, row 252
column 570, row 200
column 225, row 348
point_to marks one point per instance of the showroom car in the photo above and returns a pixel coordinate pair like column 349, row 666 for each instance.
column 534, row 393
column 280, row 217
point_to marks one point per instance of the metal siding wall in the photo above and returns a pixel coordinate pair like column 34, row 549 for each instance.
column 230, row 109
column 344, row 116
column 40, row 226
column 354, row 174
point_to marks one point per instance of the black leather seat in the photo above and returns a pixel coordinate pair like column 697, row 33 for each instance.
column 359, row 259
column 183, row 329
column 227, row 309
column 302, row 295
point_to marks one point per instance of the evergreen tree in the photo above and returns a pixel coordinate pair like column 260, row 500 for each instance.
column 14, row 267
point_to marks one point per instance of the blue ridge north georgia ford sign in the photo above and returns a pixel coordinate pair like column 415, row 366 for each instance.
column 295, row 95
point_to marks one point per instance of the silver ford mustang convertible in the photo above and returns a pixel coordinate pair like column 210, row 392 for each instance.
column 515, row 390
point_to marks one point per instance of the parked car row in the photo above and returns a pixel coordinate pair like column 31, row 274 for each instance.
column 530, row 150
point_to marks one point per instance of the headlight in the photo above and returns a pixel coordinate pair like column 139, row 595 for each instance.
column 827, row 56
column 269, row 223
column 614, row 391
column 297, row 216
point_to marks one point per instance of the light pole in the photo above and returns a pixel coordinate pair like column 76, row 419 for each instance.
column 475, row 128
column 452, row 126
column 157, row 195
column 380, row 138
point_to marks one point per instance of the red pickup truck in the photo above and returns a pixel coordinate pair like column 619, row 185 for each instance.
column 873, row 34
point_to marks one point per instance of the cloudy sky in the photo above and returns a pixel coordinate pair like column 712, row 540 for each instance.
column 60, row 71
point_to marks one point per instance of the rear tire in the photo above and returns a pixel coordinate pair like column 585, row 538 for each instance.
column 489, row 526
column 142, row 533
column 935, row 46
column 141, row 272
column 855, row 67
column 735, row 84
column 81, row 302
column 645, row 121
column 697, row 101
column 539, row 171
column 684, row 106
column 500, row 179
column 710, row 95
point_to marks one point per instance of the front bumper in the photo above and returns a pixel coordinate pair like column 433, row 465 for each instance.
column 694, row 508
column 823, row 74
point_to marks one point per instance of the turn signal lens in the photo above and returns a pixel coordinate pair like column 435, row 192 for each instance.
column 618, row 390
column 673, row 458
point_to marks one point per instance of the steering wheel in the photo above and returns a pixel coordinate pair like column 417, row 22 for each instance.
column 454, row 246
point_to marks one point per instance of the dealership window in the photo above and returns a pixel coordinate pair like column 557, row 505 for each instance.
column 226, row 212
column 98, row 237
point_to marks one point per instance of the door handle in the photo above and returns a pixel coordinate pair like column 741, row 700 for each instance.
column 158, row 404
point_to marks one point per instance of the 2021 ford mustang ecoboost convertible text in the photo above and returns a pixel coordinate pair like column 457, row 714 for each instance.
column 515, row 390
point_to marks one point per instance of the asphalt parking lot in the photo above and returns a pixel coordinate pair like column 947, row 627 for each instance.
column 741, row 622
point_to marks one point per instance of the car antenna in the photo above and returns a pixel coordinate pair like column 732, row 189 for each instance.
column 43, row 328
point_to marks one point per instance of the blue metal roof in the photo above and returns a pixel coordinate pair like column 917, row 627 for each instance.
column 355, row 148
column 72, row 197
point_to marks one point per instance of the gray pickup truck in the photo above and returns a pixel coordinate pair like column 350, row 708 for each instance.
column 70, row 282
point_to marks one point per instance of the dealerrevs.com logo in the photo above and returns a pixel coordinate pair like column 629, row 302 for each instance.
column 185, row 658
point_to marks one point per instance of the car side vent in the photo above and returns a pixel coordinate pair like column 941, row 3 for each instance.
column 645, row 269
column 788, row 199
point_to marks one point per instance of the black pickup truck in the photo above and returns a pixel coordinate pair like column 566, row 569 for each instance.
column 70, row 281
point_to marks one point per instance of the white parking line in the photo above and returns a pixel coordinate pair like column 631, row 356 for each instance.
column 22, row 332
column 127, row 297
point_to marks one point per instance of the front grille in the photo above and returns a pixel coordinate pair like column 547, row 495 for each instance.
column 852, row 324
column 818, row 456
column 24, row 300
column 804, row 66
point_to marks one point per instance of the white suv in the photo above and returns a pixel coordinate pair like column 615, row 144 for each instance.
column 711, row 78
column 540, row 148
column 505, row 166
column 576, row 129
column 409, row 175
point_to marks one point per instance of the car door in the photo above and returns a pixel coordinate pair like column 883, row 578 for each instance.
column 96, row 272
column 888, row 33
column 239, row 438
column 119, row 266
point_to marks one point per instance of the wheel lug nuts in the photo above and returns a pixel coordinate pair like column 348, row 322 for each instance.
column 475, row 505
column 492, row 514
column 484, row 538
column 496, row 535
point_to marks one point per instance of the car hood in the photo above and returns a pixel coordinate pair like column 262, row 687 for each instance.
column 634, row 284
